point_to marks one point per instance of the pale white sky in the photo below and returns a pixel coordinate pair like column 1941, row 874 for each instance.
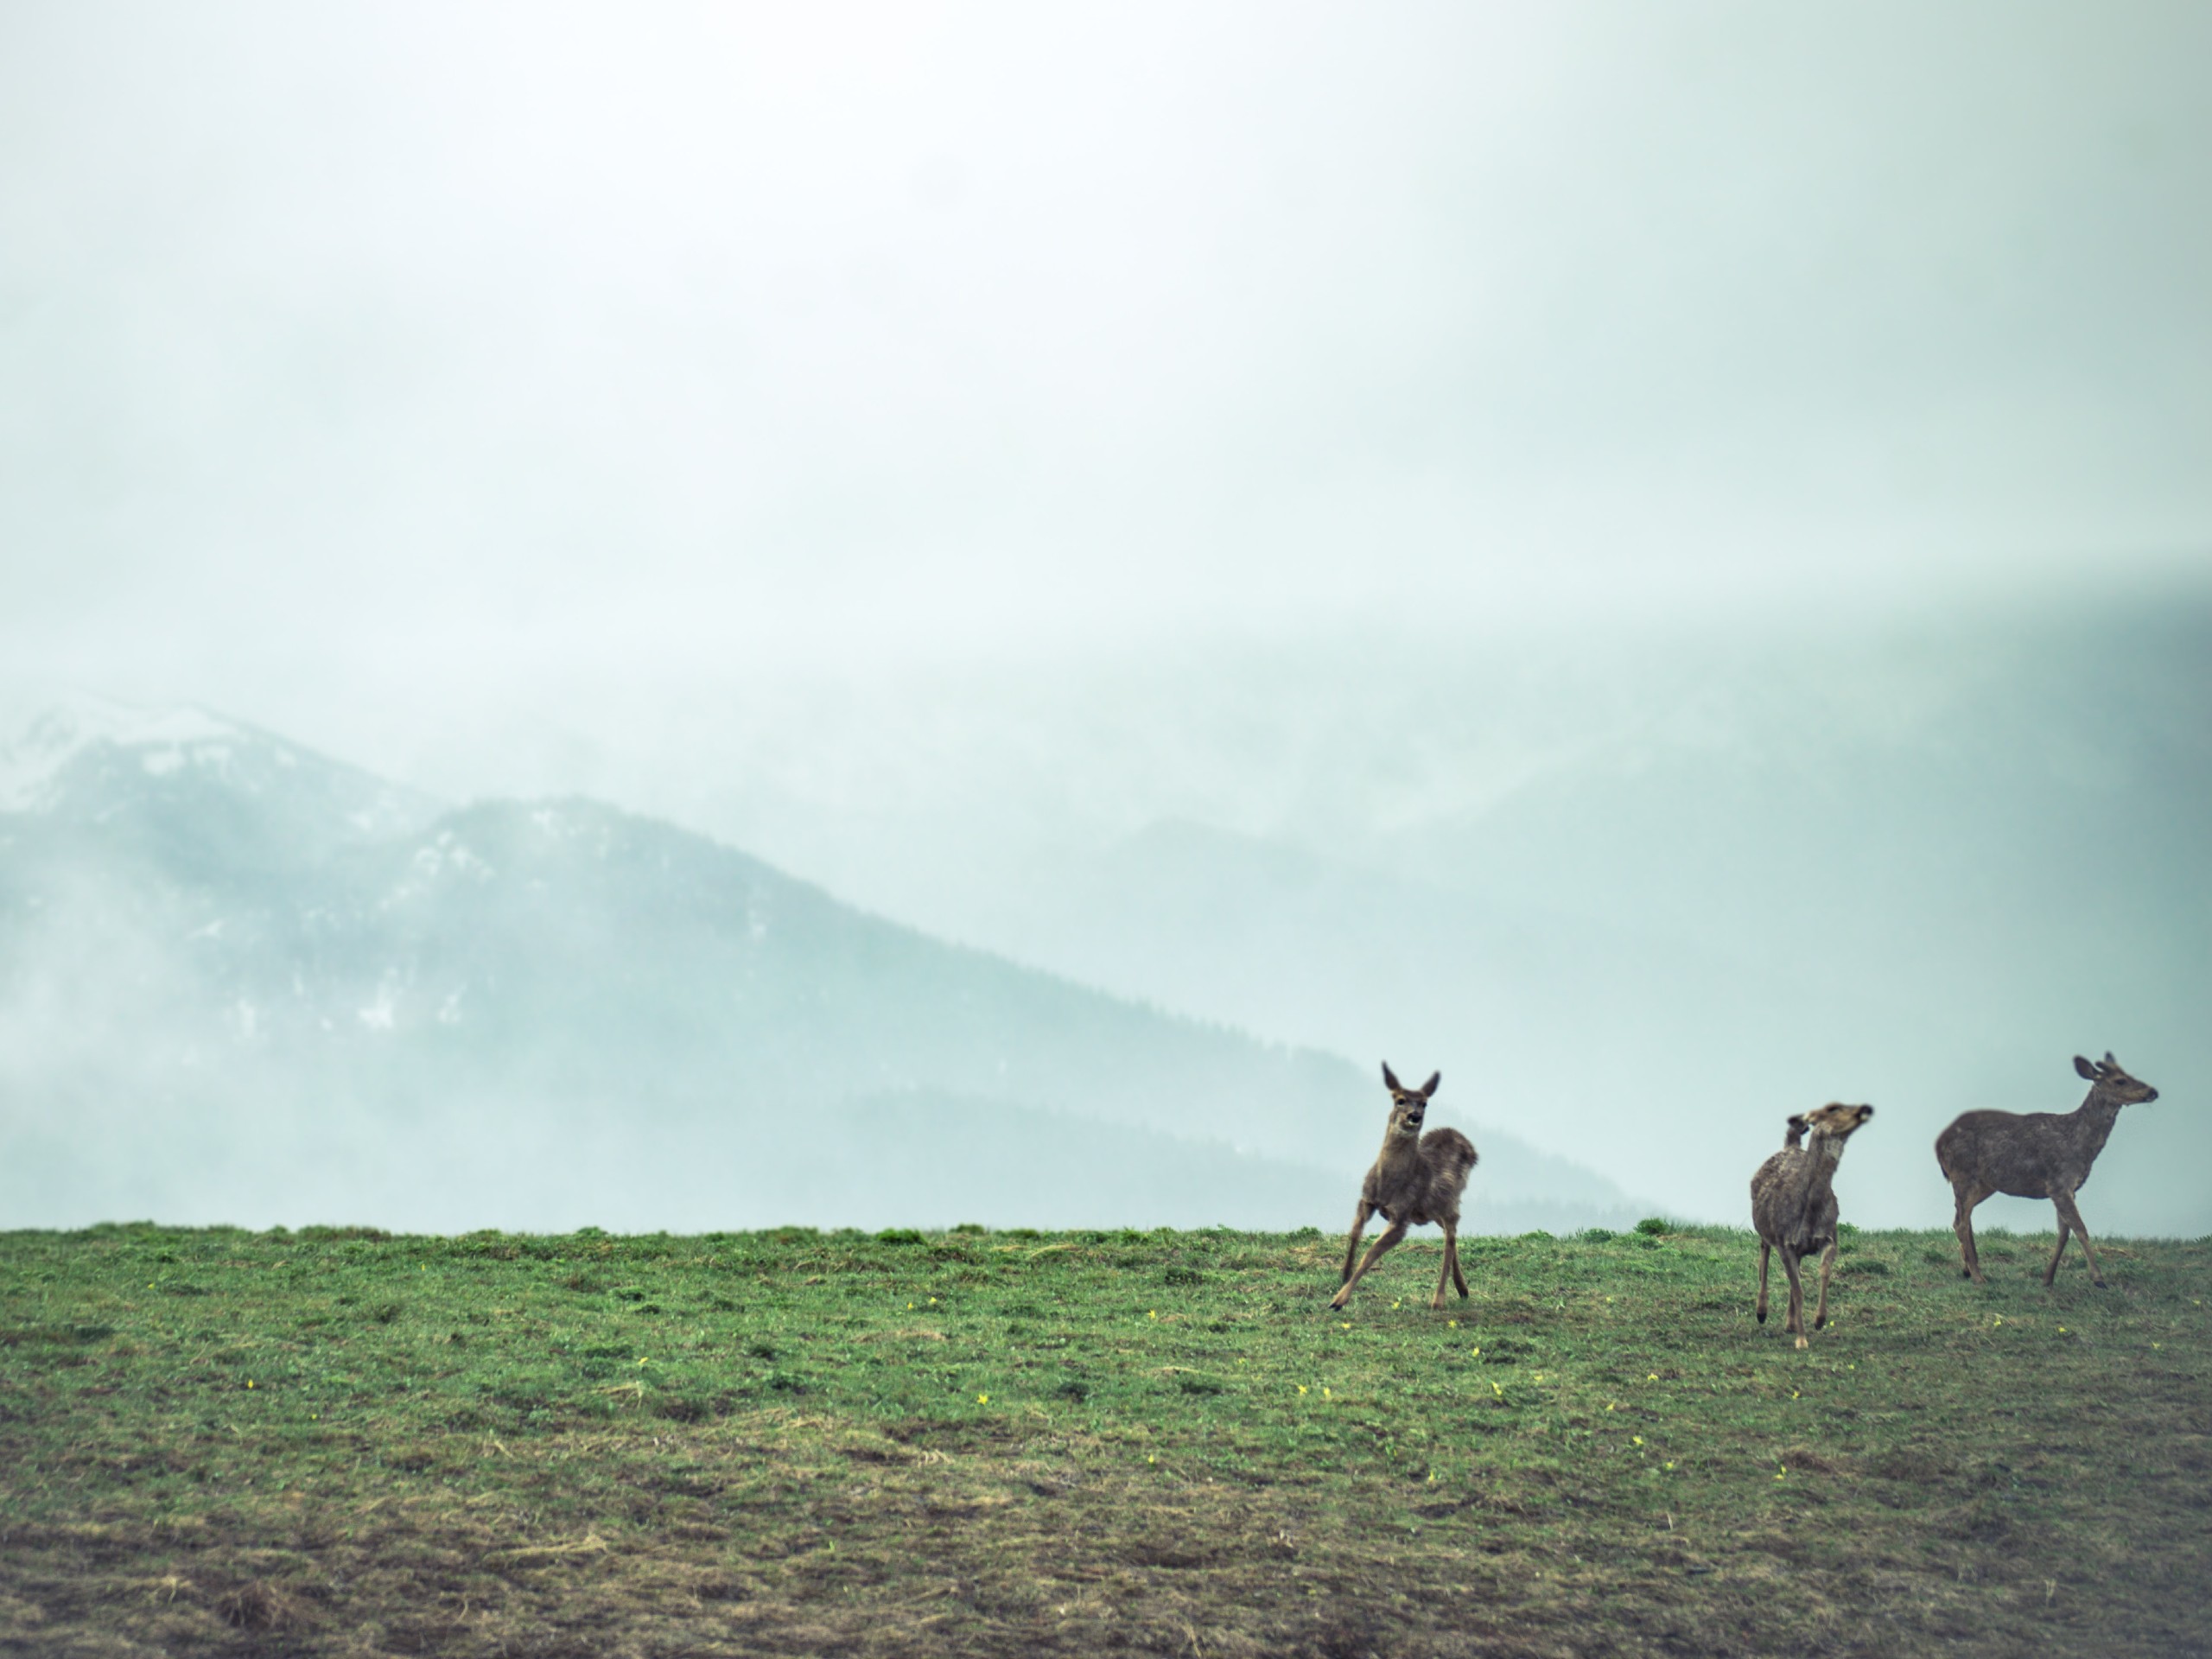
column 923, row 444
column 412, row 353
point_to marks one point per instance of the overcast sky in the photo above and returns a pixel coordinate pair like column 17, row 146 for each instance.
column 924, row 445
column 429, row 352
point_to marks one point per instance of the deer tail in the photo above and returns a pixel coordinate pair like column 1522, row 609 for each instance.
column 1944, row 1147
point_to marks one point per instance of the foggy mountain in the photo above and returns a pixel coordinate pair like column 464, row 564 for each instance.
column 1941, row 864
column 245, row 982
column 1922, row 867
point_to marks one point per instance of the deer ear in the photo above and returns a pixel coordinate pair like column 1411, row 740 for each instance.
column 1429, row 1088
column 1389, row 1077
column 2111, row 1065
column 2086, row 1068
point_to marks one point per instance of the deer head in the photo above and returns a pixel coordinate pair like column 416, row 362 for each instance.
column 1835, row 1121
column 1408, row 1106
column 2111, row 1078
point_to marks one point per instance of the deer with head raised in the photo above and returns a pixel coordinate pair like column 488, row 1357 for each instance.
column 1794, row 1206
column 2036, row 1155
column 1417, row 1178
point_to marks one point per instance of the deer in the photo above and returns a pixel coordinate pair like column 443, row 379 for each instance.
column 2036, row 1155
column 1416, row 1179
column 1794, row 1206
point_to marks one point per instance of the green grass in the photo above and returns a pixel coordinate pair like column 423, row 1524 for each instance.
column 334, row 1442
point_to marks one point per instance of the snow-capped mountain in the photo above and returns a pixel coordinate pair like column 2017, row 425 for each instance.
column 40, row 740
column 240, row 980
column 76, row 756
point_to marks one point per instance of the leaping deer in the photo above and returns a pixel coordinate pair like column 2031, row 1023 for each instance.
column 1794, row 1206
column 2036, row 1155
column 1417, row 1178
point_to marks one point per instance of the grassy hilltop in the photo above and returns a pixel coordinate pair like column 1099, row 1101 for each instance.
column 335, row 1442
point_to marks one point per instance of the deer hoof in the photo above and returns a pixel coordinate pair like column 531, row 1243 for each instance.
column 1801, row 1343
column 1762, row 1315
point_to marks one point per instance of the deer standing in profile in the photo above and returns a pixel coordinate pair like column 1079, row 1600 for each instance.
column 2036, row 1155
column 1794, row 1206
column 1417, row 1178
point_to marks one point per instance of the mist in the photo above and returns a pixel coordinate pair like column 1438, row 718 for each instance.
column 1659, row 564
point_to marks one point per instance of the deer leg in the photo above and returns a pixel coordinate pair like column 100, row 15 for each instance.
column 1352, row 1244
column 1765, row 1250
column 1449, row 1268
column 2070, row 1216
column 1796, row 1296
column 1962, row 1224
column 1452, row 1250
column 1827, row 1266
column 1391, row 1235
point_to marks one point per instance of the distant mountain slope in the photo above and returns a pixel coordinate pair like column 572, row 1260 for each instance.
column 1921, row 869
column 1958, row 859
column 238, row 979
column 190, row 779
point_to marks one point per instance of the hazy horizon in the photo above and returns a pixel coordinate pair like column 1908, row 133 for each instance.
column 1460, row 534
